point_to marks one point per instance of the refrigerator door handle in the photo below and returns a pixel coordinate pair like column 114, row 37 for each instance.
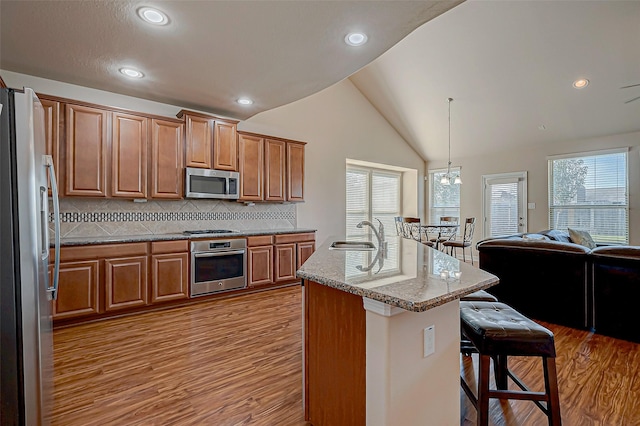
column 48, row 161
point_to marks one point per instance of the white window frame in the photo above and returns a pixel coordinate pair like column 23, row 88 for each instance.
column 432, row 182
column 369, row 210
column 521, row 179
column 578, row 155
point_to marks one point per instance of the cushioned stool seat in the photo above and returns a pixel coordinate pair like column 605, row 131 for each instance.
column 480, row 295
column 498, row 331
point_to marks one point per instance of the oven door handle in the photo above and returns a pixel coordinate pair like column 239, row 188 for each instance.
column 218, row 253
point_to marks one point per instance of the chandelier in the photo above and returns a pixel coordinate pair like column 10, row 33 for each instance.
column 446, row 179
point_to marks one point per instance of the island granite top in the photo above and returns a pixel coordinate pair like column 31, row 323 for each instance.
column 83, row 241
column 411, row 276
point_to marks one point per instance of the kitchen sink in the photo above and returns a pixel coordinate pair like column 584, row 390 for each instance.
column 352, row 245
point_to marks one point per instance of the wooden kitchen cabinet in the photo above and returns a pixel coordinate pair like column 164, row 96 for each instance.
column 251, row 167
column 126, row 284
column 169, row 270
column 285, row 262
column 295, row 172
column 259, row 260
column 78, row 289
column 52, row 132
column 86, row 131
column 129, row 156
column 274, row 170
column 304, row 251
column 225, row 150
column 166, row 177
column 198, row 142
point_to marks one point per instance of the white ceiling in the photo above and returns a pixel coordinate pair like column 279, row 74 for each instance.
column 509, row 65
column 211, row 53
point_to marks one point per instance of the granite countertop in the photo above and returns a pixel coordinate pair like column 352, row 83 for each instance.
column 83, row 241
column 413, row 276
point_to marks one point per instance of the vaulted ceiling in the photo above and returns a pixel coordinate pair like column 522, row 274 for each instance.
column 508, row 65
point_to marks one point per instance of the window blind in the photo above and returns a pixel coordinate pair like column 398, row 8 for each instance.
column 590, row 192
column 504, row 208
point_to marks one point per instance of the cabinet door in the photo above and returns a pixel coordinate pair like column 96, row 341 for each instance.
column 285, row 262
column 274, row 172
column 295, row 171
column 225, row 151
column 166, row 159
column 169, row 277
column 305, row 250
column 52, row 133
column 125, row 282
column 251, row 159
column 199, row 150
column 86, row 151
column 260, row 265
column 129, row 156
column 78, row 287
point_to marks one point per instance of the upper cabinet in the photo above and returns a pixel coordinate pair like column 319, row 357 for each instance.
column 166, row 159
column 129, row 156
column 52, row 116
column 274, row 170
column 251, row 167
column 225, row 151
column 210, row 141
column 86, row 151
column 271, row 169
column 295, row 171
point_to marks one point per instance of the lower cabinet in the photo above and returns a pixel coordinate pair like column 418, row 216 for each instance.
column 126, row 284
column 101, row 279
column 78, row 291
column 169, row 271
column 276, row 258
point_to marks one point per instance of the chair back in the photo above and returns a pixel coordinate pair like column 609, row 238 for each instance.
column 399, row 225
column 411, row 228
column 448, row 233
column 469, row 226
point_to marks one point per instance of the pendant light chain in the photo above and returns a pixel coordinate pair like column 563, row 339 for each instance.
column 449, row 164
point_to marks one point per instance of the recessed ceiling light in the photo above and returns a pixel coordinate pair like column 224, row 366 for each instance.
column 130, row 72
column 355, row 39
column 244, row 101
column 153, row 16
column 581, row 83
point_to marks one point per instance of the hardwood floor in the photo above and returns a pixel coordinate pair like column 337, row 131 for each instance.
column 238, row 361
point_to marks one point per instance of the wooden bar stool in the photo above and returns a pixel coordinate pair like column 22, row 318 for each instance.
column 498, row 331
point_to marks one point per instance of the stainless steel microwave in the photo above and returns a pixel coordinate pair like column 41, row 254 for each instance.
column 207, row 183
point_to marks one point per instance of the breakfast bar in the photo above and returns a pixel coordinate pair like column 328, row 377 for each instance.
column 382, row 333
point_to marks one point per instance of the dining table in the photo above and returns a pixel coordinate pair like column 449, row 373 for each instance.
column 441, row 228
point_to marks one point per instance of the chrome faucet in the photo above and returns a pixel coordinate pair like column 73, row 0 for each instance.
column 379, row 233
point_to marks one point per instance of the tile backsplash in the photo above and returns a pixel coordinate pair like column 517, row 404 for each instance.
column 83, row 217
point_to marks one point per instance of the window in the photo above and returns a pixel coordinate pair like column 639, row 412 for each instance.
column 589, row 191
column 372, row 193
column 444, row 200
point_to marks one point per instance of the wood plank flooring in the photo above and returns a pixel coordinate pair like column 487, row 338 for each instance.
column 238, row 361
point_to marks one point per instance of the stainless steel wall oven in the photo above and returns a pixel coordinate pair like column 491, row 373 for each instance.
column 218, row 265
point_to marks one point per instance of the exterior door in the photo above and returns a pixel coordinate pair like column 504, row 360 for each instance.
column 505, row 204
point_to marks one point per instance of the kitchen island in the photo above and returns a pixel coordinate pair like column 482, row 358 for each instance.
column 382, row 334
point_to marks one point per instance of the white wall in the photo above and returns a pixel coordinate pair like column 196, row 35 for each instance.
column 534, row 161
column 338, row 123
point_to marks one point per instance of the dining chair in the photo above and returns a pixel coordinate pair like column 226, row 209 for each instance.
column 399, row 225
column 411, row 228
column 446, row 234
column 467, row 237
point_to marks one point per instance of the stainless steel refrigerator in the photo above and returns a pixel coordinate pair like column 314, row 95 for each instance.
column 27, row 286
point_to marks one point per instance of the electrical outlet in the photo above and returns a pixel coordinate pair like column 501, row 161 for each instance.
column 429, row 340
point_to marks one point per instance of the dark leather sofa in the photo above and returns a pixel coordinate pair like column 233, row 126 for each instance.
column 567, row 284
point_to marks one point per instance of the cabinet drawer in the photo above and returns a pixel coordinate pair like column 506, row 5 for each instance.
column 259, row 240
column 295, row 238
column 100, row 251
column 160, row 247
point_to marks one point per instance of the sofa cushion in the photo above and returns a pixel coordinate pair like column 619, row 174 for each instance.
column 538, row 237
column 557, row 235
column 581, row 237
